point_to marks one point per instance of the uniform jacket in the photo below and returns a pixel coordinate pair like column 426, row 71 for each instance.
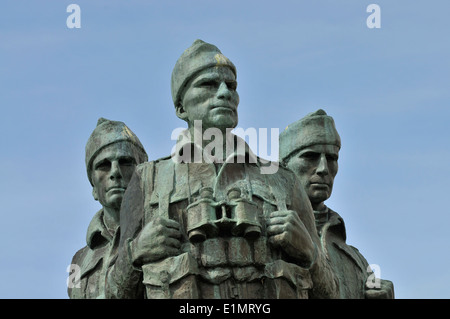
column 92, row 261
column 349, row 264
column 166, row 187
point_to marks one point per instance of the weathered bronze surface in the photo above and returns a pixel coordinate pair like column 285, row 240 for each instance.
column 112, row 153
column 310, row 148
column 215, row 227
column 213, row 220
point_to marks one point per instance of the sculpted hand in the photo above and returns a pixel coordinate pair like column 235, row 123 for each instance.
column 287, row 231
column 159, row 239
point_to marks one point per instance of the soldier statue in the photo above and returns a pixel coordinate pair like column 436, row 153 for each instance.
column 208, row 221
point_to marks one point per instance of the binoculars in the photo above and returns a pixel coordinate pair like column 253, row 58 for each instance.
column 207, row 218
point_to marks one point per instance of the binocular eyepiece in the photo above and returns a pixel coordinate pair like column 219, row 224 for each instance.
column 206, row 218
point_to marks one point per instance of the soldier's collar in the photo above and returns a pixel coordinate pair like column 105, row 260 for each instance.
column 336, row 222
column 322, row 214
column 189, row 151
column 97, row 232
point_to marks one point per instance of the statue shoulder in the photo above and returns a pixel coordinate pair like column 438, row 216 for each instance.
column 141, row 168
column 80, row 256
column 288, row 178
column 282, row 169
column 146, row 172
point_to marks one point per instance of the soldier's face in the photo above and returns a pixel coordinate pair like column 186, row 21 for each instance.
column 211, row 97
column 316, row 166
column 112, row 169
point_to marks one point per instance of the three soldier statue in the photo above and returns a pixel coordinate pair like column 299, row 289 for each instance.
column 207, row 221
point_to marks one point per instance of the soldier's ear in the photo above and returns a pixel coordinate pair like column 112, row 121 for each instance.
column 180, row 111
column 94, row 193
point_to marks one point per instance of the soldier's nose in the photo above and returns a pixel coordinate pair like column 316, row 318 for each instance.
column 223, row 91
column 322, row 168
column 115, row 170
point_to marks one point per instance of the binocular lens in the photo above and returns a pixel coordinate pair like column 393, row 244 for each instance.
column 197, row 236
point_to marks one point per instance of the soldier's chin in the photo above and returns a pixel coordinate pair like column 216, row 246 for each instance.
column 224, row 121
column 115, row 200
column 319, row 196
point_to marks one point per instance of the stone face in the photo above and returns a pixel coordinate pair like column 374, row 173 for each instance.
column 199, row 56
column 310, row 148
column 112, row 153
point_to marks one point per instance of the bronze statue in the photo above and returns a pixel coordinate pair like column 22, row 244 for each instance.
column 310, row 148
column 112, row 153
column 205, row 222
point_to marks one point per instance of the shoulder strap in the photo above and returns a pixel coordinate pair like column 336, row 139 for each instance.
column 146, row 172
column 277, row 192
column 164, row 185
column 157, row 177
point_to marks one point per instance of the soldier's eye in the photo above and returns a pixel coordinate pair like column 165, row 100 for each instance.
column 103, row 165
column 310, row 156
column 232, row 85
column 208, row 83
column 331, row 157
column 127, row 161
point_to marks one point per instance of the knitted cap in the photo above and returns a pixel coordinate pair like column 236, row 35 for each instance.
column 106, row 133
column 314, row 128
column 200, row 55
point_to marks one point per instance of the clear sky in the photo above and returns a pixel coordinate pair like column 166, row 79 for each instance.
column 387, row 89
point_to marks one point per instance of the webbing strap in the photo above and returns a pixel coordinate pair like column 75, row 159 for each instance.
column 280, row 196
column 164, row 186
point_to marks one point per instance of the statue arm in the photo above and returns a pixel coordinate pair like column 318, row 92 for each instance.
column 325, row 282
column 74, row 284
column 385, row 290
column 124, row 280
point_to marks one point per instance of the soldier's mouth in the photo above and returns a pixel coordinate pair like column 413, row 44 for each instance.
column 320, row 185
column 116, row 189
column 223, row 107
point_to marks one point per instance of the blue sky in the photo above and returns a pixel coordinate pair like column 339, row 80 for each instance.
column 387, row 89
